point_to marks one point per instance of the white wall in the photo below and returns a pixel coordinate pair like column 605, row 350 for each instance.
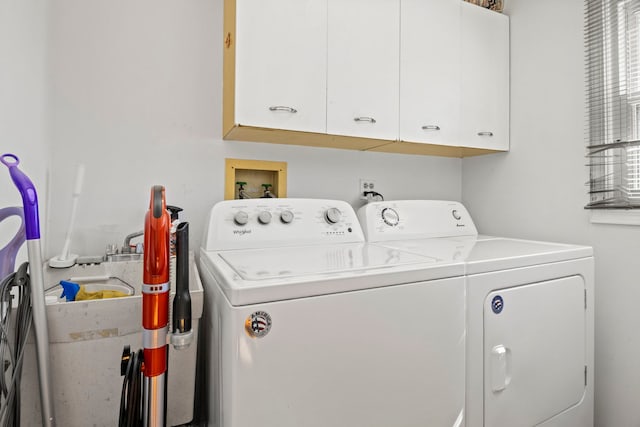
column 22, row 104
column 136, row 97
column 537, row 189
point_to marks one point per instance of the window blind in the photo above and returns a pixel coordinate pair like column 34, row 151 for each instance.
column 613, row 96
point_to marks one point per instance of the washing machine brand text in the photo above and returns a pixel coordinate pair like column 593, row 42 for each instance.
column 242, row 232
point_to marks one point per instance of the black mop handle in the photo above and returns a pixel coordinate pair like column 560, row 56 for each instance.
column 182, row 299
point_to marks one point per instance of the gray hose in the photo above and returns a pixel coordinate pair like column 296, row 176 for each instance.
column 14, row 330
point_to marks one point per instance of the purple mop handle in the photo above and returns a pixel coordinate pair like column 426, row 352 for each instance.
column 29, row 196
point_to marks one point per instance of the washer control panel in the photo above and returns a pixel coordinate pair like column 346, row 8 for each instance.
column 240, row 224
column 415, row 219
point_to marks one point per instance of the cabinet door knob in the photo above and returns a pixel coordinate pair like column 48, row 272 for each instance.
column 282, row 108
column 430, row 127
column 364, row 119
column 485, row 133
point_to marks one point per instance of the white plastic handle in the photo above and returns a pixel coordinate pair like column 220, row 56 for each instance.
column 500, row 368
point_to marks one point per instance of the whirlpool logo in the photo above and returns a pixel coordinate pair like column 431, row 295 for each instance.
column 242, row 232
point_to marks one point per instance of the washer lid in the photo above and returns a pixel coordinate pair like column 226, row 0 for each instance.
column 260, row 264
column 262, row 275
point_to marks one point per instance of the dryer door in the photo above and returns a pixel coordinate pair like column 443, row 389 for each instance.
column 534, row 351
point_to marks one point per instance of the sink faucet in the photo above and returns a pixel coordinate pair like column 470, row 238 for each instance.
column 126, row 248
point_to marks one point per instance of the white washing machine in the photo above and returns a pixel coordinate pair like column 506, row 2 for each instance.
column 308, row 325
column 530, row 321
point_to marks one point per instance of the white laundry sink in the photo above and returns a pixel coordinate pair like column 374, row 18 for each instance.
column 86, row 340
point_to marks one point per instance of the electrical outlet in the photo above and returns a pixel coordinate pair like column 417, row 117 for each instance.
column 366, row 185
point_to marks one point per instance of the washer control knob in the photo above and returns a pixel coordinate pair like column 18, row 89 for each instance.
column 241, row 218
column 286, row 217
column 264, row 217
column 390, row 217
column 456, row 215
column 332, row 215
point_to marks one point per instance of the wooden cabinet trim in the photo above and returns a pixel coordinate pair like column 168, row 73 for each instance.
column 229, row 67
column 279, row 136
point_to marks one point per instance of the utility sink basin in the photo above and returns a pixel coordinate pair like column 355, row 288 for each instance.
column 95, row 284
column 86, row 339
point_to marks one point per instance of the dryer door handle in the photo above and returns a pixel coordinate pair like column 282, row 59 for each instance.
column 500, row 368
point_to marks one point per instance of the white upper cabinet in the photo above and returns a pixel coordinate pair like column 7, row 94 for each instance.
column 403, row 76
column 281, row 54
column 485, row 78
column 430, row 71
column 363, row 75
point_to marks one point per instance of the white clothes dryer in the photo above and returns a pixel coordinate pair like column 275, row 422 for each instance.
column 530, row 320
column 308, row 325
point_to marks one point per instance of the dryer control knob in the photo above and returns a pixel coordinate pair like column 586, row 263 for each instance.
column 390, row 217
column 264, row 217
column 332, row 215
column 286, row 217
column 241, row 218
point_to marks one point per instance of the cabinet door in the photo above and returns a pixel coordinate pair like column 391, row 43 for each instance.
column 485, row 78
column 363, row 75
column 281, row 64
column 430, row 71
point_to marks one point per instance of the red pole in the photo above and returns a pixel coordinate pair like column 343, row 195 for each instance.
column 155, row 307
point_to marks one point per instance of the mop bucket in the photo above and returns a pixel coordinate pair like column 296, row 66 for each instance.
column 10, row 251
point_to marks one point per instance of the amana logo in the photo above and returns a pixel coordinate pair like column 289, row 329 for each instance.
column 497, row 304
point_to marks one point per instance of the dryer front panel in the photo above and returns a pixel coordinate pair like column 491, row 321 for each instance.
column 534, row 351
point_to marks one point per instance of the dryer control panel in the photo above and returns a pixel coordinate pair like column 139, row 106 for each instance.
column 415, row 219
column 251, row 223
